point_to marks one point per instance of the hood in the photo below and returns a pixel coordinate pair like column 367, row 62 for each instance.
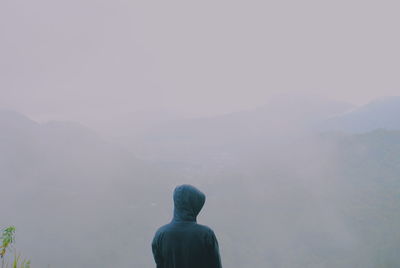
column 188, row 201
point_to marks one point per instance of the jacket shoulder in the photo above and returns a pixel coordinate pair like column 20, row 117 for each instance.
column 205, row 229
column 162, row 229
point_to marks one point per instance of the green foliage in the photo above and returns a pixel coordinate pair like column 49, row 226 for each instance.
column 17, row 263
column 7, row 239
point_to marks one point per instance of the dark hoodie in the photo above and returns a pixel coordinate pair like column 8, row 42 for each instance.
column 183, row 243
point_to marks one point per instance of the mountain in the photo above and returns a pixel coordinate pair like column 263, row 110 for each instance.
column 283, row 119
column 61, row 184
column 318, row 200
column 382, row 113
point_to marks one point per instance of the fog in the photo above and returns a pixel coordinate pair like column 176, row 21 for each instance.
column 98, row 61
column 283, row 113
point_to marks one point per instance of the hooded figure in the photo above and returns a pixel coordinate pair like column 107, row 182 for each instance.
column 183, row 243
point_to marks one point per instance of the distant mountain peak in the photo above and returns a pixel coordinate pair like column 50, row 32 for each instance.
column 14, row 119
column 381, row 113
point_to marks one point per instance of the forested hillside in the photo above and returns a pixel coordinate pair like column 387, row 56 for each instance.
column 325, row 199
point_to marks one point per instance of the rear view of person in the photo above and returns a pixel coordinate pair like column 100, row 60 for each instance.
column 183, row 243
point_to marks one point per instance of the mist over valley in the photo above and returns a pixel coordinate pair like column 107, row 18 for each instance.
column 299, row 182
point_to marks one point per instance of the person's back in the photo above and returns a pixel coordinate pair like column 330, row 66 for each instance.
column 183, row 243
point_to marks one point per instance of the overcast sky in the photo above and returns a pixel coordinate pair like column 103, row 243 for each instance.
column 96, row 59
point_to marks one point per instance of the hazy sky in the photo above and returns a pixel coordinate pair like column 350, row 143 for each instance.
column 98, row 59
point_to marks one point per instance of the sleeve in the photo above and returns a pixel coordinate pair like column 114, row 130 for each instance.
column 155, row 246
column 215, row 259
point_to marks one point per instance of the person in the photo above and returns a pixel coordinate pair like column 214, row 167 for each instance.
column 183, row 243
